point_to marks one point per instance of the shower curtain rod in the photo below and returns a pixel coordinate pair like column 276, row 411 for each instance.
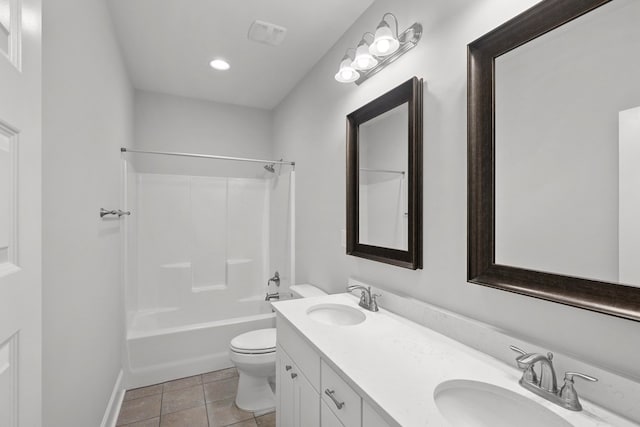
column 208, row 156
column 382, row 170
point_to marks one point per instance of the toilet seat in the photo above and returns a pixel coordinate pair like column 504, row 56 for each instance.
column 260, row 341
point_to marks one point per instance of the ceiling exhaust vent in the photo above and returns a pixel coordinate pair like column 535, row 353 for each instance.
column 267, row 33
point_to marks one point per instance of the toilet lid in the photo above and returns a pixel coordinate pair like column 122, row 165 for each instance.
column 255, row 342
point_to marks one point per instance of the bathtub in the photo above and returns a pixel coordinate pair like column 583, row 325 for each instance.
column 170, row 343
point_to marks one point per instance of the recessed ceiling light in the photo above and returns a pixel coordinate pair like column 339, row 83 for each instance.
column 220, row 64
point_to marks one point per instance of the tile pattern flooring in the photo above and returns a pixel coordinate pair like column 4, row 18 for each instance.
column 205, row 400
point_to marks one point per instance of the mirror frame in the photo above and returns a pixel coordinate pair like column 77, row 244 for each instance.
column 604, row 297
column 409, row 92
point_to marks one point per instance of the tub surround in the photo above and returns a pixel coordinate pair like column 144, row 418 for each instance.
column 418, row 359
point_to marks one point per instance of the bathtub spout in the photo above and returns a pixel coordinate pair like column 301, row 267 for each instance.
column 274, row 295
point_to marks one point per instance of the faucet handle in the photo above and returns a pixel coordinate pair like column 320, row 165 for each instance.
column 568, row 393
column 374, row 302
column 364, row 296
column 517, row 350
column 529, row 375
column 568, row 376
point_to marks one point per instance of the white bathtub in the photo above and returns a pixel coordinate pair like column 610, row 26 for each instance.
column 171, row 343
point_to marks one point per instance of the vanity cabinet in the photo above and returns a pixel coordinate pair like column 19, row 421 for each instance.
column 310, row 393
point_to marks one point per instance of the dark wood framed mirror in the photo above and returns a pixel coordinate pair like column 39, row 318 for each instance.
column 384, row 178
column 549, row 214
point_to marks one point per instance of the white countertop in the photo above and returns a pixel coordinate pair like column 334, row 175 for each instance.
column 396, row 364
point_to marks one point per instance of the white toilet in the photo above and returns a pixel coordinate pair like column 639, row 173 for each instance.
column 254, row 355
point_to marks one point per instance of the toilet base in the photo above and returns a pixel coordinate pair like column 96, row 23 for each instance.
column 255, row 394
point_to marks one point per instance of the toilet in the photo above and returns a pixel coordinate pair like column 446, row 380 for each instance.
column 254, row 355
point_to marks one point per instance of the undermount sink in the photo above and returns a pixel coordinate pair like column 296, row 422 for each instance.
column 336, row 314
column 477, row 404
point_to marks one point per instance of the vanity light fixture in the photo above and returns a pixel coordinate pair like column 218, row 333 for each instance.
column 346, row 73
column 385, row 48
column 219, row 64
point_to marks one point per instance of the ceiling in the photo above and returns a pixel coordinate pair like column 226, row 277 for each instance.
column 167, row 45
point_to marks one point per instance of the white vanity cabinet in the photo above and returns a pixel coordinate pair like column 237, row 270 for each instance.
column 310, row 393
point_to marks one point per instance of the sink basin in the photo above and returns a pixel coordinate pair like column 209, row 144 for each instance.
column 477, row 404
column 336, row 314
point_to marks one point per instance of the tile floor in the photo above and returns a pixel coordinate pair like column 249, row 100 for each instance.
column 205, row 400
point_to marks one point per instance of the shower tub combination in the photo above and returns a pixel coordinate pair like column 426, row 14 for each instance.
column 197, row 253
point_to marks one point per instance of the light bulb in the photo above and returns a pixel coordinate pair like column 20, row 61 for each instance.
column 364, row 60
column 362, row 63
column 384, row 42
column 346, row 73
column 383, row 46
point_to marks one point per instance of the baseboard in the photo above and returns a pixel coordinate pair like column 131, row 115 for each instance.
column 115, row 402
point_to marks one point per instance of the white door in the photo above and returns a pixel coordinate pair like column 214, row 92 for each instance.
column 20, row 213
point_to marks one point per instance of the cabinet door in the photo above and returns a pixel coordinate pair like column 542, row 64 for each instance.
column 328, row 418
column 285, row 412
column 298, row 401
column 307, row 403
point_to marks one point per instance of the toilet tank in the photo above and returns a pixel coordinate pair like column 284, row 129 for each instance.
column 306, row 291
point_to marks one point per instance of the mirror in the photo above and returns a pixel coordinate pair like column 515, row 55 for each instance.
column 554, row 134
column 384, row 178
column 383, row 205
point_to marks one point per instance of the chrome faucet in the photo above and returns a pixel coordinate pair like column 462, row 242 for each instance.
column 273, row 295
column 367, row 300
column 545, row 385
column 547, row 380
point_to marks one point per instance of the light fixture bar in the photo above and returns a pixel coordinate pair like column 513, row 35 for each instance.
column 408, row 40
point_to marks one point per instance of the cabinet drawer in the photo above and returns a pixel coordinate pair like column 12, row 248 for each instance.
column 340, row 397
column 327, row 418
column 299, row 350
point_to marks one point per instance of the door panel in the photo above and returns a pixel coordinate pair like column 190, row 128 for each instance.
column 20, row 213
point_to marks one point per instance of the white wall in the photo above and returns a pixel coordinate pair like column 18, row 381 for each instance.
column 309, row 126
column 87, row 115
column 172, row 123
